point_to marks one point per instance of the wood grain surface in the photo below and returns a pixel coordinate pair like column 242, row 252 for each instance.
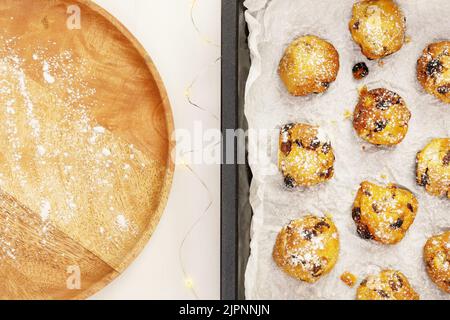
column 85, row 148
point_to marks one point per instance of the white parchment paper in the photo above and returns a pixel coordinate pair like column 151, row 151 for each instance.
column 273, row 25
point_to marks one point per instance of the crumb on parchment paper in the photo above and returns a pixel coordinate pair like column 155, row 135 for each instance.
column 349, row 279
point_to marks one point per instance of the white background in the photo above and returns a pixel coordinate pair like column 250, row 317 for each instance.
column 182, row 54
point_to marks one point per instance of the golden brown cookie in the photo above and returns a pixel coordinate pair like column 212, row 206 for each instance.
column 381, row 117
column 388, row 285
column 308, row 248
column 437, row 260
column 378, row 27
column 309, row 65
column 384, row 214
column 306, row 157
column 433, row 167
column 433, row 70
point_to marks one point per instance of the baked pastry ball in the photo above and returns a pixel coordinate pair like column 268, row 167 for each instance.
column 308, row 248
column 378, row 27
column 309, row 65
column 433, row 70
column 306, row 157
column 384, row 213
column 388, row 285
column 381, row 117
column 433, row 167
column 437, row 260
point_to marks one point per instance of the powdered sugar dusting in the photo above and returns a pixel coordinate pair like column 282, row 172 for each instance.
column 122, row 221
column 46, row 71
column 57, row 160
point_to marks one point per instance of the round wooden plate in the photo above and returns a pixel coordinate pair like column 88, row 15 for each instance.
column 85, row 148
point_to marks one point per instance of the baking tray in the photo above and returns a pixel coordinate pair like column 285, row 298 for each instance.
column 236, row 212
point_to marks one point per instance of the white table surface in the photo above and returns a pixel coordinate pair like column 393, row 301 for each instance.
column 181, row 54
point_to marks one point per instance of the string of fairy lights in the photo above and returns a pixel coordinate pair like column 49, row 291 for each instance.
column 197, row 29
column 188, row 280
column 188, row 90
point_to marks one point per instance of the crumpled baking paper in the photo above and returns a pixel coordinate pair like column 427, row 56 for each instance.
column 273, row 25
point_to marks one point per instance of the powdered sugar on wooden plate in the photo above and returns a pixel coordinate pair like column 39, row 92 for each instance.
column 56, row 159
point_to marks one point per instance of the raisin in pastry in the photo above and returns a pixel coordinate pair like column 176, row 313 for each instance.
column 306, row 157
column 387, row 285
column 378, row 27
column 384, row 213
column 433, row 70
column 437, row 260
column 309, row 65
column 433, row 168
column 308, row 248
column 381, row 117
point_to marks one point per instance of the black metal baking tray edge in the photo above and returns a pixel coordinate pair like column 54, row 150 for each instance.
column 236, row 211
